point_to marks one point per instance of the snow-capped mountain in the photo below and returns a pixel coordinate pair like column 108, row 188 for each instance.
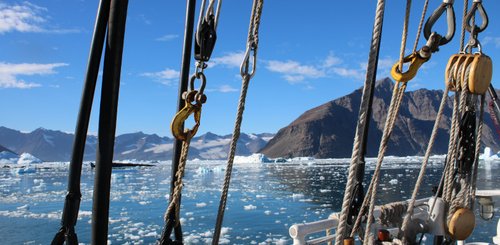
column 51, row 145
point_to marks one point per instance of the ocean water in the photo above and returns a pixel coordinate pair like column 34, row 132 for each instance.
column 264, row 199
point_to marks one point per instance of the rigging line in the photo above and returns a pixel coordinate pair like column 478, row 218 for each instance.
column 107, row 120
column 462, row 32
column 398, row 92
column 420, row 24
column 421, row 175
column 73, row 197
column 252, row 45
column 390, row 122
column 404, row 34
column 478, row 148
column 183, row 84
column 364, row 117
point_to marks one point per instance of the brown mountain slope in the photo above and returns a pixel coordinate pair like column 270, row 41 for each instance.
column 328, row 130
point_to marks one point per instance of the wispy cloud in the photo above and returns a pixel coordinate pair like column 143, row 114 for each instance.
column 26, row 17
column 491, row 40
column 230, row 60
column 9, row 73
column 224, row 89
column 164, row 77
column 167, row 37
column 293, row 71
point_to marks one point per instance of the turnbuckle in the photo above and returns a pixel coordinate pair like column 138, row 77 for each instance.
column 447, row 6
column 416, row 60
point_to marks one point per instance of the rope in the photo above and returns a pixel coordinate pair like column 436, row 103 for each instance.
column 362, row 119
column 421, row 175
column 252, row 44
column 422, row 18
column 393, row 110
column 405, row 34
column 174, row 202
column 448, row 187
column 478, row 148
column 464, row 22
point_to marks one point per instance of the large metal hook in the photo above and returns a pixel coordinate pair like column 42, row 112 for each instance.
column 416, row 61
column 177, row 125
column 447, row 6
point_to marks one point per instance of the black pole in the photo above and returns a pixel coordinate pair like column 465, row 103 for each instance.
column 73, row 197
column 107, row 120
column 183, row 83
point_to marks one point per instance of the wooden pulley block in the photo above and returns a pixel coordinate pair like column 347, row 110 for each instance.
column 461, row 224
column 454, row 70
column 463, row 72
column 349, row 241
column 449, row 81
column 481, row 71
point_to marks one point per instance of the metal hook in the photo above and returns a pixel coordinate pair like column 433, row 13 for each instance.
column 415, row 60
column 476, row 5
column 177, row 125
column 245, row 65
column 447, row 6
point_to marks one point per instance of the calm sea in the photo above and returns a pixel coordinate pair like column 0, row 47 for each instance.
column 265, row 200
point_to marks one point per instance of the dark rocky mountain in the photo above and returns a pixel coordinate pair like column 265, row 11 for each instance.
column 50, row 145
column 328, row 130
column 5, row 149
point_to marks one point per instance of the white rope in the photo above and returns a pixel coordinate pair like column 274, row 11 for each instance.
column 421, row 175
column 252, row 43
column 362, row 120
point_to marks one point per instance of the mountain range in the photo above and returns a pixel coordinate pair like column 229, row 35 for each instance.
column 328, row 130
column 52, row 145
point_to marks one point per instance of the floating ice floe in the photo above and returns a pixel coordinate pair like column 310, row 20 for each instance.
column 488, row 155
column 27, row 158
column 254, row 158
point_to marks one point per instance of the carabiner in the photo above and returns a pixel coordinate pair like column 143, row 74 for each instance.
column 450, row 20
column 415, row 60
column 476, row 5
column 246, row 64
column 177, row 125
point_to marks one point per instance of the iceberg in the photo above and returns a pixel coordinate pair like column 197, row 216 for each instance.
column 254, row 158
column 488, row 155
column 27, row 158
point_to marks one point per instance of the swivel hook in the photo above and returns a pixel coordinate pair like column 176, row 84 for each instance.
column 177, row 125
column 416, row 60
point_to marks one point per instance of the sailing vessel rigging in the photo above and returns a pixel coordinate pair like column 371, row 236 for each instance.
column 468, row 75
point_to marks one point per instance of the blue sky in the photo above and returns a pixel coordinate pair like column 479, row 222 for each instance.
column 310, row 53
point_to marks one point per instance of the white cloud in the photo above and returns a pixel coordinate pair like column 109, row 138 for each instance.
column 9, row 73
column 167, row 37
column 350, row 73
column 493, row 40
column 331, row 60
column 25, row 17
column 230, row 60
column 224, row 89
column 165, row 77
column 293, row 71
